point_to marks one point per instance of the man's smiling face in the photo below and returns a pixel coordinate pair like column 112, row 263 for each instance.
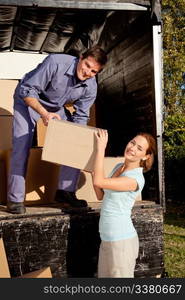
column 87, row 67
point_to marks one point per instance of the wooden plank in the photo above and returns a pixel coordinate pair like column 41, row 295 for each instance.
column 83, row 4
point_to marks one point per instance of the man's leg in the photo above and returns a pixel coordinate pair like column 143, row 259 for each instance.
column 23, row 130
column 67, row 186
column 68, row 179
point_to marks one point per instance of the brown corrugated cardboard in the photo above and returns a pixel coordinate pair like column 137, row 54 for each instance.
column 42, row 273
column 4, row 268
column 41, row 128
column 6, row 132
column 41, row 132
column 7, row 88
column 41, row 178
column 3, row 176
column 70, row 144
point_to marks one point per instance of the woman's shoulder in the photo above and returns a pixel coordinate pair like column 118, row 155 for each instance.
column 137, row 174
column 138, row 171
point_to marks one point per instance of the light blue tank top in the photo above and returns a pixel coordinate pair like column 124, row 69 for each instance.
column 115, row 216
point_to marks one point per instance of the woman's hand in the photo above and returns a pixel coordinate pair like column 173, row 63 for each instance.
column 102, row 139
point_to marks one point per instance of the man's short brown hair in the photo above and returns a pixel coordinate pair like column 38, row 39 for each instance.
column 97, row 53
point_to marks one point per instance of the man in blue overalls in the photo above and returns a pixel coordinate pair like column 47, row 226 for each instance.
column 43, row 92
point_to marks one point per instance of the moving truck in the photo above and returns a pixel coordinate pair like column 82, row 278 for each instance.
column 129, row 97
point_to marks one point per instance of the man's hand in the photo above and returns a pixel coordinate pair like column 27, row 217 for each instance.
column 48, row 116
column 37, row 106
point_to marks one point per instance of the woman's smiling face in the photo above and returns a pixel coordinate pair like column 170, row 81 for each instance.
column 136, row 149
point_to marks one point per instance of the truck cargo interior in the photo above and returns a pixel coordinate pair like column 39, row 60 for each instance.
column 126, row 97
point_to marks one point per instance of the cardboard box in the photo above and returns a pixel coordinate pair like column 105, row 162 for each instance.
column 41, row 128
column 6, row 132
column 7, row 88
column 3, row 178
column 70, row 144
column 42, row 273
column 41, row 132
column 41, row 178
column 4, row 268
column 85, row 187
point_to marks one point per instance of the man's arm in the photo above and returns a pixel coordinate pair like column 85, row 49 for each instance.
column 37, row 106
column 82, row 105
column 36, row 82
column 82, row 108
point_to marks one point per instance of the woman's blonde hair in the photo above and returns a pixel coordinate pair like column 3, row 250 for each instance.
column 147, row 164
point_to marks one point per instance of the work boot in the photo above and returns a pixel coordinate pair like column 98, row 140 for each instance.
column 69, row 199
column 16, row 207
